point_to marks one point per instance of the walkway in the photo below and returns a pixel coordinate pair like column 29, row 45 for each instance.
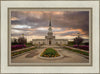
column 32, row 57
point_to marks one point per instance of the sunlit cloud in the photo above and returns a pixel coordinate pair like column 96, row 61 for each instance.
column 14, row 18
column 21, row 26
column 43, row 28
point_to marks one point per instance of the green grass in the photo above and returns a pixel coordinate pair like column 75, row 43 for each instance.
column 20, row 52
column 78, row 51
column 50, row 52
column 28, row 44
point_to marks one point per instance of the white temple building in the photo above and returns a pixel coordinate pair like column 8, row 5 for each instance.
column 50, row 39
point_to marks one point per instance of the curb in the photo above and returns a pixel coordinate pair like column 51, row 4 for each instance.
column 51, row 58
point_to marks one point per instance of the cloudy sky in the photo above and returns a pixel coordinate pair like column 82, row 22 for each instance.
column 34, row 24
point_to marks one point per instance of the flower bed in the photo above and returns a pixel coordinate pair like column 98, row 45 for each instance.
column 50, row 52
column 15, row 47
column 84, row 47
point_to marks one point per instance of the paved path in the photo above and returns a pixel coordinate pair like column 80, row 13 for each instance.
column 32, row 57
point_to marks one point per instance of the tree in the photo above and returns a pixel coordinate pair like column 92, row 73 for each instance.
column 14, row 41
column 22, row 40
column 78, row 40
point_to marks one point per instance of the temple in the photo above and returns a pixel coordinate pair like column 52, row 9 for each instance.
column 50, row 39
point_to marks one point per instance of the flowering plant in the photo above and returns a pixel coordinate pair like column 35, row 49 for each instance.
column 85, row 47
column 14, row 47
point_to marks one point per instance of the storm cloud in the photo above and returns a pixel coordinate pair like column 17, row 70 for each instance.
column 64, row 23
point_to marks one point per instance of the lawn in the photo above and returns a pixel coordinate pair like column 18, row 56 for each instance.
column 78, row 51
column 29, row 44
column 50, row 52
column 20, row 52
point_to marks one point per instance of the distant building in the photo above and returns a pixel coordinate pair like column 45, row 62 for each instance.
column 85, row 41
column 50, row 39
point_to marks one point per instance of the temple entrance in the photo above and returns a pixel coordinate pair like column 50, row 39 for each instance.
column 49, row 42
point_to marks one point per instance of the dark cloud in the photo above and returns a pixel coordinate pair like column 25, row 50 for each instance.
column 65, row 20
column 30, row 33
column 75, row 20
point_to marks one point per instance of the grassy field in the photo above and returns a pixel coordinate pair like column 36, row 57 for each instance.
column 50, row 52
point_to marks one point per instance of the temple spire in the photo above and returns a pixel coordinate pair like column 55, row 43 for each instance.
column 50, row 21
column 50, row 28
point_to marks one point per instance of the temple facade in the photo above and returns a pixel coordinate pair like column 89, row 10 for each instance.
column 50, row 39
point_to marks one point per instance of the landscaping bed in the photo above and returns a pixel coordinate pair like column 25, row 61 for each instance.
column 50, row 52
column 20, row 52
column 16, row 47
